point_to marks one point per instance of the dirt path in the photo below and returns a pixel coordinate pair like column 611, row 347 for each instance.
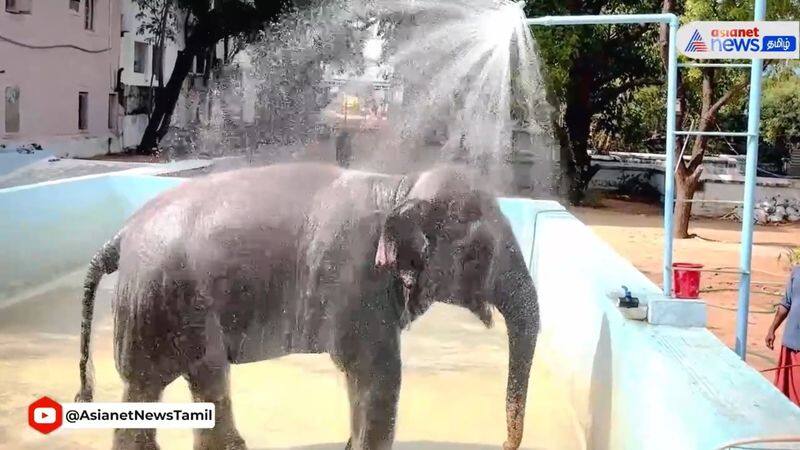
column 635, row 231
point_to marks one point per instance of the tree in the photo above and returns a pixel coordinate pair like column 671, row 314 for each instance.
column 592, row 70
column 158, row 19
column 780, row 114
column 205, row 22
column 714, row 88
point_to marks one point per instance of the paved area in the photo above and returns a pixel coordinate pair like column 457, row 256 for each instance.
column 56, row 169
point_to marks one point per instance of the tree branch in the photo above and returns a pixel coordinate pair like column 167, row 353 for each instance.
column 605, row 95
column 694, row 178
column 734, row 90
column 696, row 160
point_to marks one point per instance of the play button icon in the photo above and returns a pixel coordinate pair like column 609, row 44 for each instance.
column 44, row 415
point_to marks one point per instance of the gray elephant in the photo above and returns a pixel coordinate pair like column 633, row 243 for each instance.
column 305, row 258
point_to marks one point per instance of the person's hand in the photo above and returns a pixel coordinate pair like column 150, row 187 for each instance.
column 770, row 339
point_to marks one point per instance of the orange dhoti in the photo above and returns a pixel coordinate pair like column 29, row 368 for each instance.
column 787, row 377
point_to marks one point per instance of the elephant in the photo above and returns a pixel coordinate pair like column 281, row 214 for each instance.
column 257, row 263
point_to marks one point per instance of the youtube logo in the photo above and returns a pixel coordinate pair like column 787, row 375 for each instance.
column 44, row 415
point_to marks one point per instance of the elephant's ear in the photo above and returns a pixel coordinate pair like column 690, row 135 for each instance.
column 402, row 245
column 477, row 271
column 403, row 249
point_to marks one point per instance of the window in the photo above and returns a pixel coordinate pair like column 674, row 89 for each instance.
column 18, row 6
column 88, row 14
column 12, row 109
column 75, row 5
column 112, row 112
column 83, row 110
column 158, row 60
column 139, row 57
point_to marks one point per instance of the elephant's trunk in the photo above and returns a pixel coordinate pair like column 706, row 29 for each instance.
column 516, row 301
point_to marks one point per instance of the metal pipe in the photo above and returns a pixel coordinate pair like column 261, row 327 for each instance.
column 672, row 100
column 760, row 440
column 713, row 133
column 602, row 19
column 741, row 65
column 753, row 122
column 702, row 200
column 669, row 177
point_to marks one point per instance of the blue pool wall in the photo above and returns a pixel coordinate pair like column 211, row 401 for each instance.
column 50, row 229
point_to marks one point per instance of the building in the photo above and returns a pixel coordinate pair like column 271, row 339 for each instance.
column 140, row 62
column 58, row 75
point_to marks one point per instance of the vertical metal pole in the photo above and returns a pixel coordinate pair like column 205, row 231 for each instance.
column 669, row 174
column 753, row 122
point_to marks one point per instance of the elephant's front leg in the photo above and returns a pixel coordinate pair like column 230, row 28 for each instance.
column 373, row 384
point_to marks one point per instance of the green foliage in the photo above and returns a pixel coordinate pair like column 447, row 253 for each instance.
column 610, row 62
column 620, row 54
column 209, row 21
column 157, row 17
column 641, row 120
column 780, row 110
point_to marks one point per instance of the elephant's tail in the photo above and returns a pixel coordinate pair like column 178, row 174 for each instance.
column 104, row 262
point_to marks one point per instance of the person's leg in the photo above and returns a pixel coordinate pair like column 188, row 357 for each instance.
column 793, row 375
column 787, row 375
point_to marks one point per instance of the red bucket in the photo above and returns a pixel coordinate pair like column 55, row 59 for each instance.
column 686, row 280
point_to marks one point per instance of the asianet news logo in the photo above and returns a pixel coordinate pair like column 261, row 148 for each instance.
column 740, row 39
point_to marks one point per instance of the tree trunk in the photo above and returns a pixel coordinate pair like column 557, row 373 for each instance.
column 687, row 177
column 577, row 119
column 685, row 189
column 166, row 99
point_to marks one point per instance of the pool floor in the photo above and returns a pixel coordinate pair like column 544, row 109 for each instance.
column 454, row 372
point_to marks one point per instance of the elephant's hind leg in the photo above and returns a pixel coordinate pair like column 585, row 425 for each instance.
column 143, row 389
column 209, row 381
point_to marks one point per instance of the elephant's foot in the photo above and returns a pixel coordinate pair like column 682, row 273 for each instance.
column 130, row 439
column 215, row 440
column 209, row 382
column 140, row 390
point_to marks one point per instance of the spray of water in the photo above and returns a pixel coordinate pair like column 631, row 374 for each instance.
column 403, row 84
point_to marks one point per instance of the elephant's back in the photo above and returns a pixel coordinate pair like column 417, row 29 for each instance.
column 259, row 194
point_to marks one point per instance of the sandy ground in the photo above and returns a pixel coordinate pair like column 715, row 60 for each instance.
column 635, row 231
column 454, row 372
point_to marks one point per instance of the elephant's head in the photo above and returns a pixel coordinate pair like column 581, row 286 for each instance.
column 448, row 241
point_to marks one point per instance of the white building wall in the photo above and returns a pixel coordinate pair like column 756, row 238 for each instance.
column 133, row 125
column 130, row 35
column 49, row 79
column 191, row 104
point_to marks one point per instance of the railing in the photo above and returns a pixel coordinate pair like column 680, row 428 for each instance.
column 751, row 134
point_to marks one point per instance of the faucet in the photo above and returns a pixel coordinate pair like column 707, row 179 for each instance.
column 628, row 301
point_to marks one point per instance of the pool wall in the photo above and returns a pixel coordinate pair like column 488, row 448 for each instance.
column 50, row 229
column 625, row 384
column 631, row 384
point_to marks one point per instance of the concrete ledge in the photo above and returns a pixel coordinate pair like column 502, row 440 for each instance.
column 676, row 312
column 632, row 385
